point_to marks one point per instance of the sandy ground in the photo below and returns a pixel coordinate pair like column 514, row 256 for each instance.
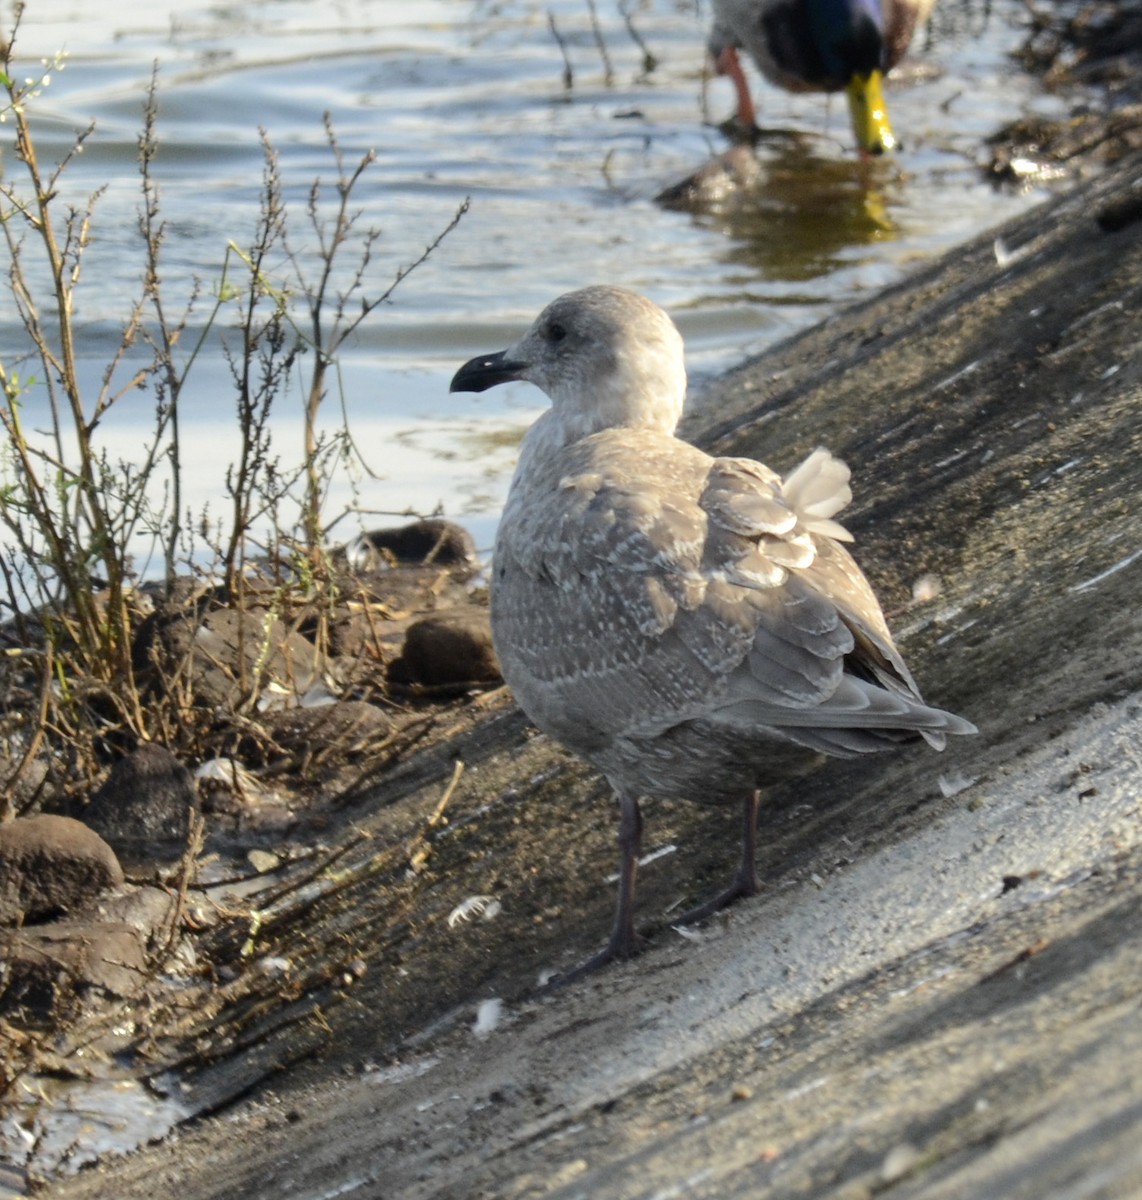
column 936, row 996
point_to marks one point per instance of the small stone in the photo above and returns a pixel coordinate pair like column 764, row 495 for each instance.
column 898, row 1162
column 51, row 865
column 741, row 1092
column 29, row 782
column 147, row 910
column 350, row 724
column 263, row 861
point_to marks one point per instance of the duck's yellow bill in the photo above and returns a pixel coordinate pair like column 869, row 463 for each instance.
column 869, row 115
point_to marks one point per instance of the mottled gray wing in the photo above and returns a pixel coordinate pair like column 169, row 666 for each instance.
column 760, row 537
column 632, row 598
column 822, row 667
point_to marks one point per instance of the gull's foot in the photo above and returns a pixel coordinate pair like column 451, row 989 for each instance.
column 618, row 949
column 745, row 884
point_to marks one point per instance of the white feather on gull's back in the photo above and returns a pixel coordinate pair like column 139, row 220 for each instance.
column 817, row 490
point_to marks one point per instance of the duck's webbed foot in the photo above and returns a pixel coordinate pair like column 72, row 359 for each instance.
column 734, row 129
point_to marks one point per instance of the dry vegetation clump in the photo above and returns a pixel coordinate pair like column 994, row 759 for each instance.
column 1090, row 50
column 265, row 664
column 96, row 659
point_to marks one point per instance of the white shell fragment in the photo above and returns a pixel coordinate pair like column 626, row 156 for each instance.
column 954, row 782
column 228, row 773
column 486, row 907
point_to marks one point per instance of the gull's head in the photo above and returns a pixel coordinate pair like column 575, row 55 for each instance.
column 606, row 357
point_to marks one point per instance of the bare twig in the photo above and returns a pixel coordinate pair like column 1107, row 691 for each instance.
column 608, row 73
column 187, row 868
column 568, row 74
column 649, row 61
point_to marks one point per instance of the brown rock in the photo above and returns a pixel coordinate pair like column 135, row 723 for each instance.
column 147, row 798
column 50, row 865
column 451, row 649
column 53, row 970
column 724, row 178
column 431, row 542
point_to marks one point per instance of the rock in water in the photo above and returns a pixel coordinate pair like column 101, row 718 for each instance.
column 671, row 617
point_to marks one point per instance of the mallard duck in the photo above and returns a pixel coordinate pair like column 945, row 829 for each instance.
column 819, row 46
column 674, row 618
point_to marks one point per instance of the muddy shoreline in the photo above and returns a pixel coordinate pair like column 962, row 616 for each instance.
column 935, row 994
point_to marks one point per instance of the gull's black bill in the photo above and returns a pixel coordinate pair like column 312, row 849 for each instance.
column 485, row 371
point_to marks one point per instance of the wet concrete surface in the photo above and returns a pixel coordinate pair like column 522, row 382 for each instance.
column 936, row 995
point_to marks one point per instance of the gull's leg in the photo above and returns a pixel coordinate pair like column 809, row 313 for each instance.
column 623, row 942
column 745, row 881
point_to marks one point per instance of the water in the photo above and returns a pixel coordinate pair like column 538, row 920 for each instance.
column 65, row 1126
column 463, row 98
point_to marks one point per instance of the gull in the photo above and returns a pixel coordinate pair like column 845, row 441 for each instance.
column 819, row 46
column 677, row 619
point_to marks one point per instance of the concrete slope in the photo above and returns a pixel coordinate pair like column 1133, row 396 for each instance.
column 937, row 996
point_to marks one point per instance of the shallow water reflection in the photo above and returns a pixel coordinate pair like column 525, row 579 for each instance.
column 809, row 218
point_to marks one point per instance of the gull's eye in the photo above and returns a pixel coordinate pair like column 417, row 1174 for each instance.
column 556, row 332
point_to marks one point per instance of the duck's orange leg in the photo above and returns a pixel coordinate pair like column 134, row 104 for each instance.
column 727, row 63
